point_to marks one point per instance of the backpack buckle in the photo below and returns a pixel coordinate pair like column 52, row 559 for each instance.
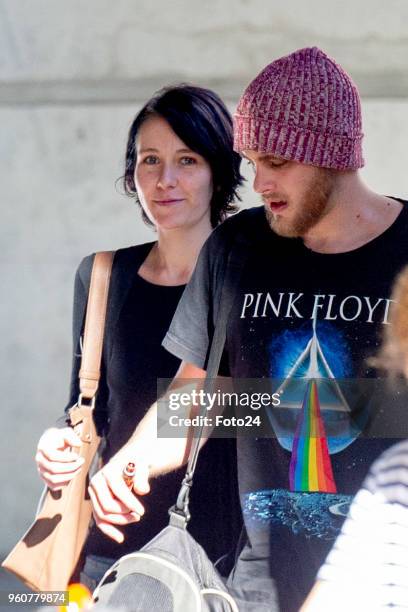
column 179, row 513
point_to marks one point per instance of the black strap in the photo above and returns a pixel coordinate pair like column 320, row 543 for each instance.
column 179, row 514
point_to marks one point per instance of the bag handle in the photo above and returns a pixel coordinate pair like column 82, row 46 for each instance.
column 179, row 513
column 90, row 370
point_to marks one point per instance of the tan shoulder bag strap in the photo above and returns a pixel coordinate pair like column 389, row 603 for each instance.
column 90, row 371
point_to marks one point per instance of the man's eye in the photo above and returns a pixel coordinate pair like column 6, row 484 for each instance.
column 188, row 161
column 277, row 163
column 150, row 160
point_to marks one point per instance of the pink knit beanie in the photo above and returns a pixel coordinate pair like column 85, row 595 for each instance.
column 305, row 108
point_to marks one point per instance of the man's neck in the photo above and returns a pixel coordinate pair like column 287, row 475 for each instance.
column 355, row 216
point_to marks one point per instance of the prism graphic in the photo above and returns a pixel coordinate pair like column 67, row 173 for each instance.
column 313, row 419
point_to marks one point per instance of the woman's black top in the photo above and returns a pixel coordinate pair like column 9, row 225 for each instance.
column 139, row 314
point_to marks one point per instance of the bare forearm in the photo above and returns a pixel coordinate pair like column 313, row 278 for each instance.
column 163, row 454
column 166, row 454
column 114, row 503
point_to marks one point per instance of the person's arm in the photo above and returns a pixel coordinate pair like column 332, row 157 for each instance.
column 334, row 597
column 366, row 557
column 346, row 579
column 56, row 457
column 113, row 502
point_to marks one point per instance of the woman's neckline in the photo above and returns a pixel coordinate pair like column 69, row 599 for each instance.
column 157, row 284
column 150, row 283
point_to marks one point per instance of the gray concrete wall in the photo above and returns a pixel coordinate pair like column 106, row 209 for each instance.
column 72, row 75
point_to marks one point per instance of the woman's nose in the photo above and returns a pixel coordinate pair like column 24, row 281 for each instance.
column 167, row 177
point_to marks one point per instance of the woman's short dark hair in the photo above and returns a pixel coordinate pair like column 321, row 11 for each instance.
column 201, row 120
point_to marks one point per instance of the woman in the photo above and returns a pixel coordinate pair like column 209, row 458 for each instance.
column 367, row 568
column 182, row 170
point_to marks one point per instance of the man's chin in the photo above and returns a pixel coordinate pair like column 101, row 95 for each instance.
column 285, row 232
column 282, row 227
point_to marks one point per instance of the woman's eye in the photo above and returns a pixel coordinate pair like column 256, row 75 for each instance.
column 188, row 161
column 150, row 160
column 250, row 164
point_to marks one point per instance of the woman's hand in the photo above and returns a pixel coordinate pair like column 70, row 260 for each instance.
column 57, row 462
column 114, row 503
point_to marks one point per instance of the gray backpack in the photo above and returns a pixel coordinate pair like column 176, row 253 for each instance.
column 172, row 573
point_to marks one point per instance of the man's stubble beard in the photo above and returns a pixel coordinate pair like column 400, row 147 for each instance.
column 312, row 207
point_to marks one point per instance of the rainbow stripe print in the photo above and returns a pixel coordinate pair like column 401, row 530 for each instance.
column 310, row 466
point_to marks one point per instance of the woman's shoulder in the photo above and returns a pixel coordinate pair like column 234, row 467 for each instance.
column 127, row 256
column 137, row 251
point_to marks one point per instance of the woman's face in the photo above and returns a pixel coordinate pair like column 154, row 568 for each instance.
column 174, row 184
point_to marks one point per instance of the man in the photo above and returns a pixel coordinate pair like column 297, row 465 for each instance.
column 312, row 300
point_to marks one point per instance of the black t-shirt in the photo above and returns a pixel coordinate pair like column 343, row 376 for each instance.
column 307, row 321
column 133, row 361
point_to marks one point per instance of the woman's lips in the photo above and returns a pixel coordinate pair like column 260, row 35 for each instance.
column 168, row 202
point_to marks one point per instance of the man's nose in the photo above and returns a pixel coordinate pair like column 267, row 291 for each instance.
column 264, row 180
